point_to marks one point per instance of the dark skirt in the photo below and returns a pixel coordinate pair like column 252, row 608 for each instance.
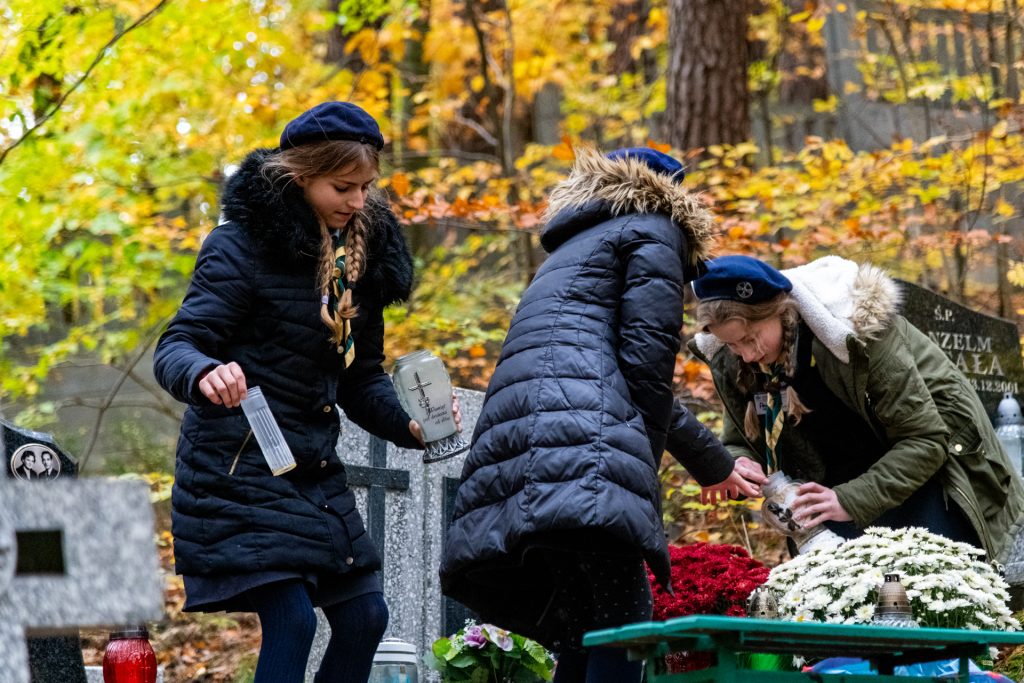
column 230, row 593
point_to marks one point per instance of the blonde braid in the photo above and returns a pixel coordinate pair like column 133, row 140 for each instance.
column 325, row 273
column 355, row 263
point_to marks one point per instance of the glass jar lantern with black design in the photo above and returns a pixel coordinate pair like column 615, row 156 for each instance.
column 425, row 391
column 777, row 511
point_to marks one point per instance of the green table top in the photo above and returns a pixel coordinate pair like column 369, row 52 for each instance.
column 810, row 639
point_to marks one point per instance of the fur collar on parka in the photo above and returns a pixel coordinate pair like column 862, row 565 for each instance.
column 283, row 224
column 599, row 188
column 837, row 298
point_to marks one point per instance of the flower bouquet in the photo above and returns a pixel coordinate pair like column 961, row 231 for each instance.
column 948, row 585
column 707, row 578
column 484, row 653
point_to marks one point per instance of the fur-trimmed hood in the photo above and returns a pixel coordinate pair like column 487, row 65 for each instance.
column 837, row 298
column 283, row 225
column 599, row 188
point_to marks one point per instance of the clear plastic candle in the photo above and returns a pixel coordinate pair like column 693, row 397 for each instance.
column 268, row 434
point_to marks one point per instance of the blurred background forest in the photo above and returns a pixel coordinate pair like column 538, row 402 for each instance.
column 877, row 130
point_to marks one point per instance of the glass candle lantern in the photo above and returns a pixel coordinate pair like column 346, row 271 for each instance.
column 779, row 493
column 425, row 392
column 394, row 662
column 893, row 608
column 129, row 658
column 1010, row 431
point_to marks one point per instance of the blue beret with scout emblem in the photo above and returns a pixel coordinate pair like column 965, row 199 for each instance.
column 653, row 159
column 740, row 278
column 332, row 121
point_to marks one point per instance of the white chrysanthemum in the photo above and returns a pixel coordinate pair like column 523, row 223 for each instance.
column 947, row 583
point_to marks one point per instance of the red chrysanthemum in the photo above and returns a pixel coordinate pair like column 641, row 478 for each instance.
column 706, row 579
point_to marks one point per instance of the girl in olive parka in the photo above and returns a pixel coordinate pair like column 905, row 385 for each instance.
column 878, row 421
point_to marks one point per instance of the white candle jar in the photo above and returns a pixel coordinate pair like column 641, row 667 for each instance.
column 425, row 391
column 779, row 493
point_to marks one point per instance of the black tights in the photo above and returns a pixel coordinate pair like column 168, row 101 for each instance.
column 289, row 625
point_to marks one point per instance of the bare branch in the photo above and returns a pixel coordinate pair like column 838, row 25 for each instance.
column 112, row 394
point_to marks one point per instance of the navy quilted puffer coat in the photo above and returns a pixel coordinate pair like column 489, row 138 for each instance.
column 253, row 299
column 580, row 407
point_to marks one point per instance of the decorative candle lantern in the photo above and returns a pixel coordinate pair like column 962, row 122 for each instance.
column 779, row 492
column 1010, row 430
column 394, row 662
column 763, row 603
column 425, row 391
column 129, row 658
column 893, row 608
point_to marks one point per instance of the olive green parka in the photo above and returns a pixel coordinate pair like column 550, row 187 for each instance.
column 903, row 385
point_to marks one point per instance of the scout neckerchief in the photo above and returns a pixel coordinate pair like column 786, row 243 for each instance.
column 346, row 344
column 774, row 415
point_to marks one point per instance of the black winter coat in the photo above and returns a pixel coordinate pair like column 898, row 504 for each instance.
column 253, row 299
column 580, row 407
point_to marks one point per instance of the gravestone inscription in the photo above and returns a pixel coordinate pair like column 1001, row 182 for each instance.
column 985, row 348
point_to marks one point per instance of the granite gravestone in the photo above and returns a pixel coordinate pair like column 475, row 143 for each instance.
column 406, row 505
column 73, row 554
column 986, row 349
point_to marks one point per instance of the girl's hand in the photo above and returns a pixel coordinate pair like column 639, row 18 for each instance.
column 224, row 385
column 815, row 504
column 417, row 431
column 746, row 479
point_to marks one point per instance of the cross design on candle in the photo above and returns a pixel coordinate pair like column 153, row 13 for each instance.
column 420, row 385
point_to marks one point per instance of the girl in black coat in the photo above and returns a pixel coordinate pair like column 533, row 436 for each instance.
column 559, row 507
column 288, row 295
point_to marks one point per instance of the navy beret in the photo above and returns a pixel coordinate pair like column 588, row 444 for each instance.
column 332, row 121
column 653, row 159
column 740, row 278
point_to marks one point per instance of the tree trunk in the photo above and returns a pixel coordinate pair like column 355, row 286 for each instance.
column 629, row 22
column 707, row 101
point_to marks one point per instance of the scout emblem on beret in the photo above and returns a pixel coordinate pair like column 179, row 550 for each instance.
column 744, row 290
column 35, row 461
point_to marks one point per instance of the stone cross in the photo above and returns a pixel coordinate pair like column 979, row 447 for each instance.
column 73, row 554
column 406, row 504
column 377, row 479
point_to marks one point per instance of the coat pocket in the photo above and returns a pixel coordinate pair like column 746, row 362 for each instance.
column 986, row 468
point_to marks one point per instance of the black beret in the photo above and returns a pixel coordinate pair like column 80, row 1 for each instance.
column 653, row 159
column 740, row 278
column 332, row 121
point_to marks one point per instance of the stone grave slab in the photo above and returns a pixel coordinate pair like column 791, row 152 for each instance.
column 73, row 554
column 404, row 502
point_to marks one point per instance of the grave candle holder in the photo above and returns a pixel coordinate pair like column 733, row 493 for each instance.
column 779, row 493
column 425, row 391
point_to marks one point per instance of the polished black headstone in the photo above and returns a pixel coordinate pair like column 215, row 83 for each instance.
column 985, row 348
column 16, row 443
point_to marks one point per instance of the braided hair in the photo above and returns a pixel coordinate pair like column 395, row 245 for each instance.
column 320, row 159
column 720, row 311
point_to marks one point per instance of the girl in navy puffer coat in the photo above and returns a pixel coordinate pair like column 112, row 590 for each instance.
column 288, row 295
column 558, row 507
